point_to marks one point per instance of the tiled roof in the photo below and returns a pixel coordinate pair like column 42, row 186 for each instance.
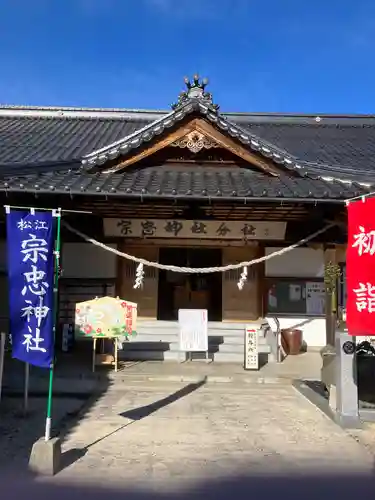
column 53, row 138
column 341, row 147
column 172, row 181
column 328, row 147
column 53, row 150
column 189, row 107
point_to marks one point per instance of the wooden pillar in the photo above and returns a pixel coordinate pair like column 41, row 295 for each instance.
column 261, row 282
column 147, row 296
column 330, row 257
column 334, row 255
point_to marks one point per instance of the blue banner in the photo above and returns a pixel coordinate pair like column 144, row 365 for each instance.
column 30, row 242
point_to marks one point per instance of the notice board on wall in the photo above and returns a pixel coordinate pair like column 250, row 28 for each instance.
column 295, row 297
column 315, row 298
column 193, row 330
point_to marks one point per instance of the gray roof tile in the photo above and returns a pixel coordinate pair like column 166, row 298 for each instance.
column 170, row 182
column 52, row 150
column 190, row 106
column 342, row 148
column 53, row 139
column 346, row 149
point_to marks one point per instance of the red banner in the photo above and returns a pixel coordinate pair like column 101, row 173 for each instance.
column 360, row 268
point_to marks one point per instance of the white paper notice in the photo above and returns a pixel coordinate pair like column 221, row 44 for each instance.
column 272, row 300
column 193, row 330
column 315, row 298
column 294, row 293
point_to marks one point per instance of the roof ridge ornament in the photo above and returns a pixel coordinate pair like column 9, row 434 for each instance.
column 195, row 90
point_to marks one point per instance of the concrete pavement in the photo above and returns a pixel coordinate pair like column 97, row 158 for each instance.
column 169, row 434
column 74, row 376
column 153, row 425
column 18, row 431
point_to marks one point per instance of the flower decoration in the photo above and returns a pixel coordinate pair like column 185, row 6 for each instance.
column 87, row 329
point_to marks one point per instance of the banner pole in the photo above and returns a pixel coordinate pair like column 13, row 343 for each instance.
column 55, row 318
column 2, row 355
column 26, row 389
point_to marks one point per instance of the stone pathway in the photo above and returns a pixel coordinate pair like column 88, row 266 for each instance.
column 169, row 433
column 73, row 374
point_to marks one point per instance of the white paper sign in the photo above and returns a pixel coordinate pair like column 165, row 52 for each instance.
column 251, row 348
column 193, row 335
column 315, row 298
column 295, row 293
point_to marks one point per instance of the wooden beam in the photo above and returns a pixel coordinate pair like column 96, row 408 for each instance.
column 234, row 147
column 153, row 148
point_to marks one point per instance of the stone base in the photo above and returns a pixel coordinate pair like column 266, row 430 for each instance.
column 332, row 398
column 45, row 458
column 348, row 421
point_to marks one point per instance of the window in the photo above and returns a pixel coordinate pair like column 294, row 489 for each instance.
column 294, row 296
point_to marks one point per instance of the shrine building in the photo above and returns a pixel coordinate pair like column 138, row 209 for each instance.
column 191, row 186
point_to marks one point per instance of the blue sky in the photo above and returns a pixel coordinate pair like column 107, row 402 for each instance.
column 260, row 55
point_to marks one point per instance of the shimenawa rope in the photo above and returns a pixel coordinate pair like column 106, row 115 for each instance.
column 196, row 270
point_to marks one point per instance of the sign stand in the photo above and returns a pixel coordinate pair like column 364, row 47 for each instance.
column 93, row 354
column 193, row 332
column 57, row 214
column 115, row 351
column 251, row 348
column 106, row 318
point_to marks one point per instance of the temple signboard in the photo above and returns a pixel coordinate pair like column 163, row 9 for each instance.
column 202, row 229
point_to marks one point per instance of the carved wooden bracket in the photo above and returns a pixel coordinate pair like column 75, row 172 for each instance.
column 195, row 141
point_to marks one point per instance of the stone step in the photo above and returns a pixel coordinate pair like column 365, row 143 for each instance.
column 143, row 324
column 163, row 346
column 152, row 323
column 150, row 330
column 135, row 345
column 235, row 349
column 231, row 348
column 214, row 343
column 174, row 332
column 229, row 357
column 146, row 337
column 142, row 355
column 212, row 339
